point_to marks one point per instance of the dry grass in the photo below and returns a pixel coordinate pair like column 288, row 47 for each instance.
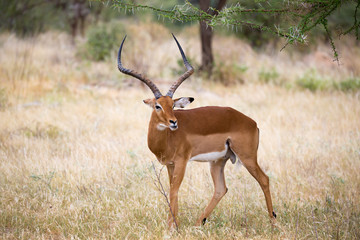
column 74, row 161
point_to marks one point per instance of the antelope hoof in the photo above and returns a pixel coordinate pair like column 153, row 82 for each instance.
column 200, row 222
column 273, row 219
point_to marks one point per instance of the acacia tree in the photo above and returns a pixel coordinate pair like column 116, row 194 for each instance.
column 206, row 34
column 301, row 16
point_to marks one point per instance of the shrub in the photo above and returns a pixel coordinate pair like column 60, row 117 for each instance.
column 228, row 73
column 350, row 84
column 102, row 40
column 312, row 81
column 269, row 76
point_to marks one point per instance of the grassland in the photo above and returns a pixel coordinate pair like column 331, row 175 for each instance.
column 74, row 163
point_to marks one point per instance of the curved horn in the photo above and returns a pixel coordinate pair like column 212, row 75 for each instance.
column 134, row 74
column 190, row 70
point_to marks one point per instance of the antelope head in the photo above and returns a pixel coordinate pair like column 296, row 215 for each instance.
column 163, row 105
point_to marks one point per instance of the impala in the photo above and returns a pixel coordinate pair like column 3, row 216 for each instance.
column 206, row 134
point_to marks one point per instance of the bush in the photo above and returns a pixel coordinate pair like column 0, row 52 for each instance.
column 350, row 84
column 312, row 81
column 270, row 76
column 102, row 40
column 228, row 73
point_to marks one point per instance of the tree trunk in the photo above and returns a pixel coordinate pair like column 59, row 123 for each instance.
column 207, row 59
column 77, row 13
column 206, row 34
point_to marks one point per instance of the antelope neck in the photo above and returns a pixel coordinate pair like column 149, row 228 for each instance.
column 157, row 139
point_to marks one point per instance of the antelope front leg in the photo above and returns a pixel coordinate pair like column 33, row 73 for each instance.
column 176, row 174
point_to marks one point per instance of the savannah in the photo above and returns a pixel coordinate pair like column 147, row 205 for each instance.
column 74, row 161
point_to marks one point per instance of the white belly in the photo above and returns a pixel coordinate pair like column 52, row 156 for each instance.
column 210, row 156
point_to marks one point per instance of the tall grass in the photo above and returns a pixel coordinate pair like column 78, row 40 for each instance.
column 74, row 161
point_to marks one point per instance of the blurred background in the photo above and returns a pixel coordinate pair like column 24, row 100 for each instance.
column 74, row 161
column 93, row 30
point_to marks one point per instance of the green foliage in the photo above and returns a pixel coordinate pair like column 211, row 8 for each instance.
column 31, row 17
column 350, row 84
column 102, row 40
column 269, row 76
column 228, row 73
column 344, row 17
column 297, row 18
column 16, row 16
column 256, row 36
column 230, row 17
column 312, row 82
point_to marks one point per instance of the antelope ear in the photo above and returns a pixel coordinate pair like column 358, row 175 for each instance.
column 183, row 102
column 150, row 102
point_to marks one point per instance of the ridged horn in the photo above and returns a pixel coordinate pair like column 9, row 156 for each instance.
column 190, row 70
column 134, row 74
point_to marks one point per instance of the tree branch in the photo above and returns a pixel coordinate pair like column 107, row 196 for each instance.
column 356, row 25
column 161, row 189
column 336, row 55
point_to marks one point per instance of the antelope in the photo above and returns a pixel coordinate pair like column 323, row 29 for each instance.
column 206, row 134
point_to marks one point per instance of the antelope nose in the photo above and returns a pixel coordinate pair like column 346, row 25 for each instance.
column 172, row 122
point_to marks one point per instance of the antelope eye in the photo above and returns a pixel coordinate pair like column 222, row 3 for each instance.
column 157, row 107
